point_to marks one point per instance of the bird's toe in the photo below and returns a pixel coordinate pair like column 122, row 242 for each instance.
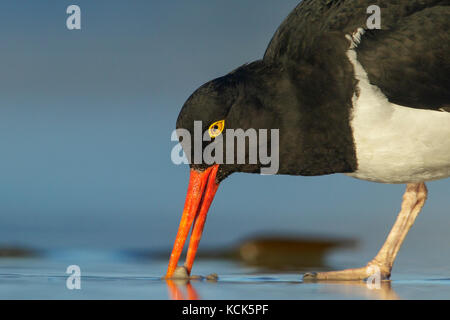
column 310, row 276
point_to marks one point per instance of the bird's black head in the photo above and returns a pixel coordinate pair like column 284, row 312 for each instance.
column 207, row 108
column 228, row 113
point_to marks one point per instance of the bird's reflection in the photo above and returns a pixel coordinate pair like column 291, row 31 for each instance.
column 184, row 290
column 360, row 288
column 181, row 290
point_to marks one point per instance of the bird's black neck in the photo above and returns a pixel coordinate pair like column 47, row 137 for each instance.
column 310, row 103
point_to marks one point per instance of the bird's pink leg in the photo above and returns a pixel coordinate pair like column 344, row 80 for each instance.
column 413, row 202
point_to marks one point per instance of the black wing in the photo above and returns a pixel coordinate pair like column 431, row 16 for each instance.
column 411, row 63
column 408, row 59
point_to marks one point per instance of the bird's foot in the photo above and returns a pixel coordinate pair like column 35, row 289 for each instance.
column 373, row 269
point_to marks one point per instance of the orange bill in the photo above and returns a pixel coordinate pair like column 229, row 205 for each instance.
column 201, row 190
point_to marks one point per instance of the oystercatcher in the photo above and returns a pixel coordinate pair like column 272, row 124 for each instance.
column 369, row 103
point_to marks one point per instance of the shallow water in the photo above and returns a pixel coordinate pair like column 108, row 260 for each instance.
column 118, row 275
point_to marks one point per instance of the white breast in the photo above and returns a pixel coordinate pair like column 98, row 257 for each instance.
column 396, row 144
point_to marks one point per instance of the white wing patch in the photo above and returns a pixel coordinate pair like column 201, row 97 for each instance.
column 395, row 144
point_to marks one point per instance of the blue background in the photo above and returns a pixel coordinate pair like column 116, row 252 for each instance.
column 86, row 118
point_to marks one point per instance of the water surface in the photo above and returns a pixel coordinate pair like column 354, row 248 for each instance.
column 118, row 275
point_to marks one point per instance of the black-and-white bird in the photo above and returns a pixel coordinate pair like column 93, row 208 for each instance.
column 369, row 103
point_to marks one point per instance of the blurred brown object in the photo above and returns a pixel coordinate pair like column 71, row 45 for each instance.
column 287, row 253
column 15, row 252
column 281, row 252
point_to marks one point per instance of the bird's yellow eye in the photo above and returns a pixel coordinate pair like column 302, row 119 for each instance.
column 216, row 128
